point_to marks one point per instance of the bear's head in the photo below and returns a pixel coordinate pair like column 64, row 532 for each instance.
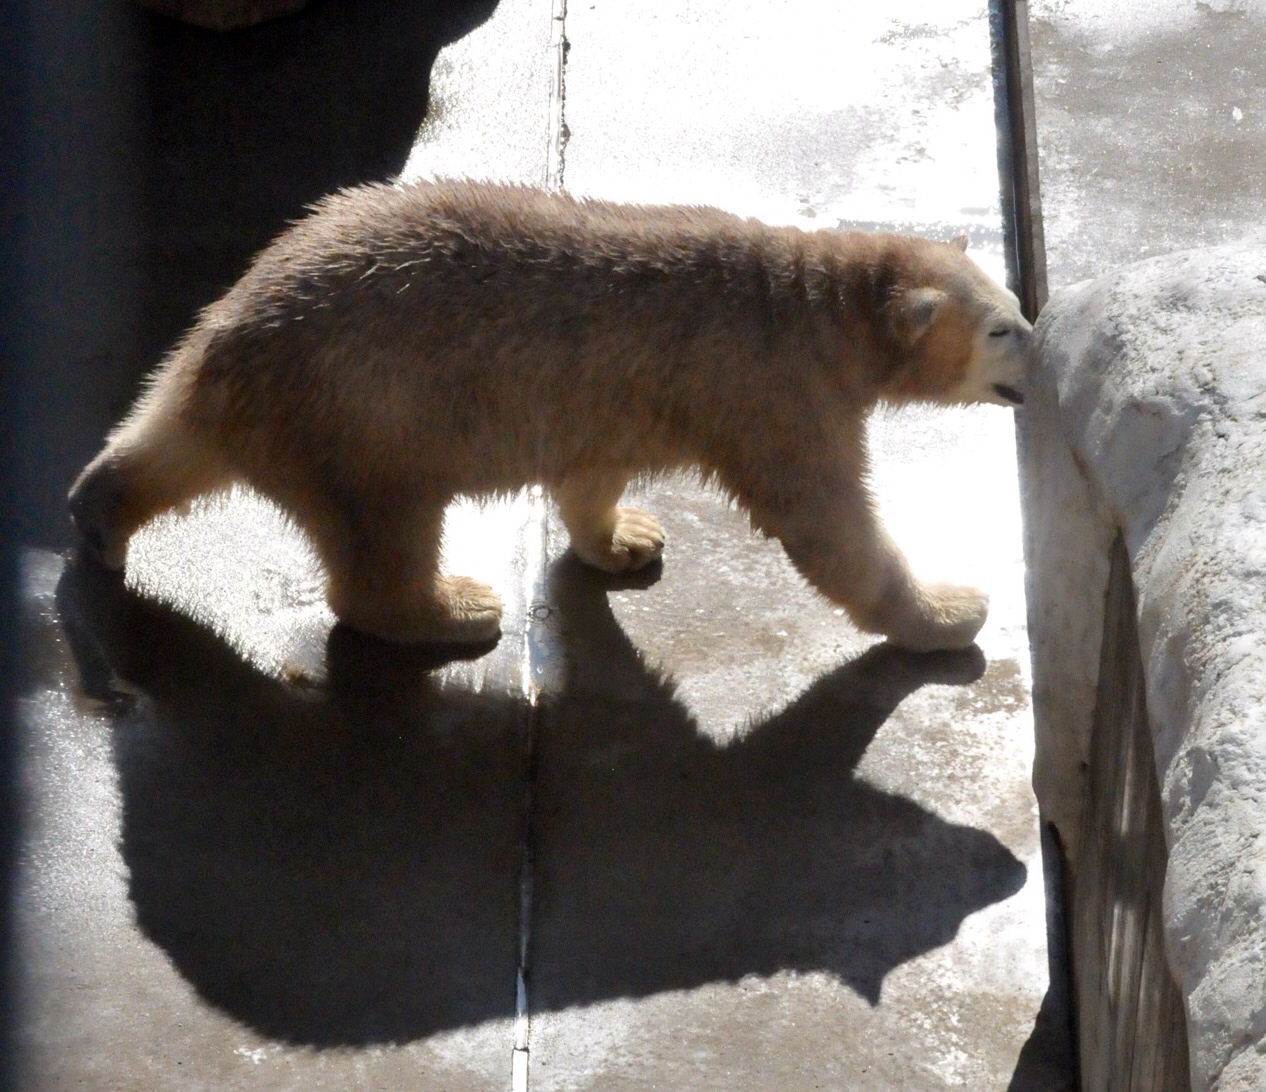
column 956, row 335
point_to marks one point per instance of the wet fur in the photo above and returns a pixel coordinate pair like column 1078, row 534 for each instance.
column 405, row 344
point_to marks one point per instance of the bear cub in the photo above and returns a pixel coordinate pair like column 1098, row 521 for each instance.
column 405, row 344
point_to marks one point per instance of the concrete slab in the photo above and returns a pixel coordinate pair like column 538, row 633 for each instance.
column 866, row 116
column 494, row 104
column 261, row 855
column 736, row 790
column 770, row 851
column 1151, row 120
column 254, row 855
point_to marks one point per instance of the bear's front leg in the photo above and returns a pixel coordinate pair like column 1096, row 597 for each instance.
column 603, row 534
column 836, row 540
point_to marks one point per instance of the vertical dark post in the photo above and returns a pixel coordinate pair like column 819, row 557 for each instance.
column 1017, row 153
column 14, row 132
column 1025, row 253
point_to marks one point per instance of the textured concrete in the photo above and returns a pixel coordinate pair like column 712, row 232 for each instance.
column 1152, row 130
column 1151, row 120
column 1145, row 421
column 763, row 850
column 758, row 863
column 1132, row 1027
column 259, row 854
column 253, row 857
column 845, row 114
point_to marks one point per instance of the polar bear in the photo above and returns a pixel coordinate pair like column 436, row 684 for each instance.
column 407, row 343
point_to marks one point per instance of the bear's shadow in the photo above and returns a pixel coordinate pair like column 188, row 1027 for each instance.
column 339, row 864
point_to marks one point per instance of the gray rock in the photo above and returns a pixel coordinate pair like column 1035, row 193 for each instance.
column 1147, row 416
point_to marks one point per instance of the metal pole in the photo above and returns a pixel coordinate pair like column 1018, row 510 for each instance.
column 1017, row 153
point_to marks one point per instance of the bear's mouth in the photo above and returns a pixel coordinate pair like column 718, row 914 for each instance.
column 1009, row 393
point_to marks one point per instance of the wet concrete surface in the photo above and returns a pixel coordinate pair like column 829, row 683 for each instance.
column 744, row 879
column 260, row 864
column 764, row 849
column 818, row 118
column 1151, row 125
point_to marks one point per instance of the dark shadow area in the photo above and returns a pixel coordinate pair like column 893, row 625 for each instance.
column 161, row 158
column 667, row 862
column 338, row 864
column 1048, row 1059
column 1047, row 1062
column 15, row 140
column 330, row 865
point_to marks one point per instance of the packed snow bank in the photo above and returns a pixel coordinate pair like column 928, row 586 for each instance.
column 1147, row 419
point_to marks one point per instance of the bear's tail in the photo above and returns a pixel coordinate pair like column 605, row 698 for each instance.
column 154, row 461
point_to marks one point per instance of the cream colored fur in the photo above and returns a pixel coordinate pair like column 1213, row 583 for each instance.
column 406, row 344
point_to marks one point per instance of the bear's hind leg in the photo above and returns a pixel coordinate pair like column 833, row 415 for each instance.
column 603, row 534
column 152, row 463
column 384, row 577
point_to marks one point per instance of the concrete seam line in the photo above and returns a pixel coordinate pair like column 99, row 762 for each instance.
column 536, row 558
column 558, row 133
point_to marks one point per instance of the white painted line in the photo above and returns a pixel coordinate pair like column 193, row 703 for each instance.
column 557, row 99
column 522, row 1017
column 536, row 555
column 519, row 1071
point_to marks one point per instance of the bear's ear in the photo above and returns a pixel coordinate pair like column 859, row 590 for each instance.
column 915, row 311
column 959, row 242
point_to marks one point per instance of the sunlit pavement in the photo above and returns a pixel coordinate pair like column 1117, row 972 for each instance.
column 689, row 831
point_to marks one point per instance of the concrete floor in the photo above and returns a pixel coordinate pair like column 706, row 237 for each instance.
column 1152, row 128
column 730, row 842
